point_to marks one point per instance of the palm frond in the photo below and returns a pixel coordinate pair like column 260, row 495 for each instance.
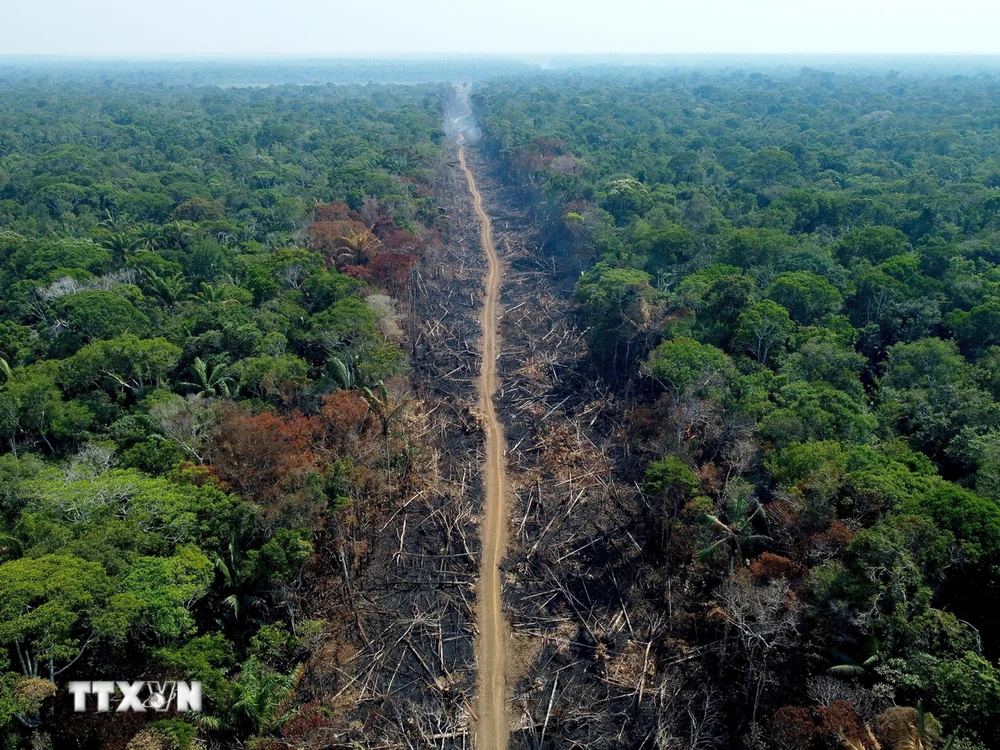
column 846, row 670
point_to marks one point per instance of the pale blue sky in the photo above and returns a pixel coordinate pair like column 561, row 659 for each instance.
column 331, row 28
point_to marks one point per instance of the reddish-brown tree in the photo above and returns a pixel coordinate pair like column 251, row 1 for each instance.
column 263, row 457
column 793, row 728
column 342, row 241
column 839, row 721
column 391, row 271
column 357, row 272
column 344, row 418
column 336, row 211
column 394, row 237
column 769, row 566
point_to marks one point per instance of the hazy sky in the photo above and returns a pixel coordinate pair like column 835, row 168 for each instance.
column 329, row 28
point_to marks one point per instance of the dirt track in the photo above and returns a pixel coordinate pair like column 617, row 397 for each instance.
column 492, row 728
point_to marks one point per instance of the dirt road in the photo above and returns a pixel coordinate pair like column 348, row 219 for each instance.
column 492, row 729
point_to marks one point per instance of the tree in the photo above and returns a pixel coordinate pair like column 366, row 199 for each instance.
column 673, row 484
column 688, row 369
column 199, row 209
column 391, row 271
column 262, row 699
column 97, row 315
column 32, row 407
column 817, row 411
column 737, row 526
column 185, row 421
column 54, row 607
column 125, row 364
column 112, row 515
column 166, row 588
column 876, row 244
column 929, row 394
column 282, row 376
column 721, row 306
column 268, row 460
column 122, row 243
column 977, row 328
column 770, row 166
column 807, row 297
column 750, row 248
column 343, row 241
column 762, row 328
column 387, row 406
column 169, row 289
column 209, row 382
column 964, row 692
column 694, row 375
column 662, row 245
column 765, row 620
column 626, row 196
column 617, row 306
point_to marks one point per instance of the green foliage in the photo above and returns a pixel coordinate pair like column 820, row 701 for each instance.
column 807, row 297
column 817, row 411
column 100, row 315
column 166, row 588
column 617, row 302
column 876, row 244
column 262, row 699
column 688, row 368
column 974, row 521
column 176, row 734
column 838, row 229
column 153, row 270
column 32, row 407
column 53, row 607
column 964, row 693
column 762, row 329
column 669, row 475
column 123, row 365
column 626, row 196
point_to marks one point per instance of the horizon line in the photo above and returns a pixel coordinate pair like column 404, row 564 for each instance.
column 469, row 56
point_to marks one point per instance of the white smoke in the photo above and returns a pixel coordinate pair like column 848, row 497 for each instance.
column 458, row 115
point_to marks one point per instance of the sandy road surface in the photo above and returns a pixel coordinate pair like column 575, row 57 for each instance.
column 492, row 729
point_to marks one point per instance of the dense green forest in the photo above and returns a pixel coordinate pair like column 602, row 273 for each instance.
column 787, row 284
column 202, row 298
column 794, row 278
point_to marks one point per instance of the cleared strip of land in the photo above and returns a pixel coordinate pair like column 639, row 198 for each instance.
column 493, row 726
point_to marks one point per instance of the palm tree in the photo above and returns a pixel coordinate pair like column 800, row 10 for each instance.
column 868, row 742
column 150, row 236
column 121, row 243
column 212, row 382
column 177, row 233
column 113, row 220
column 209, row 293
column 237, row 578
column 848, row 667
column 343, row 372
column 906, row 729
column 261, row 702
column 168, row 289
column 360, row 247
column 386, row 407
column 396, row 161
column 263, row 697
column 736, row 527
